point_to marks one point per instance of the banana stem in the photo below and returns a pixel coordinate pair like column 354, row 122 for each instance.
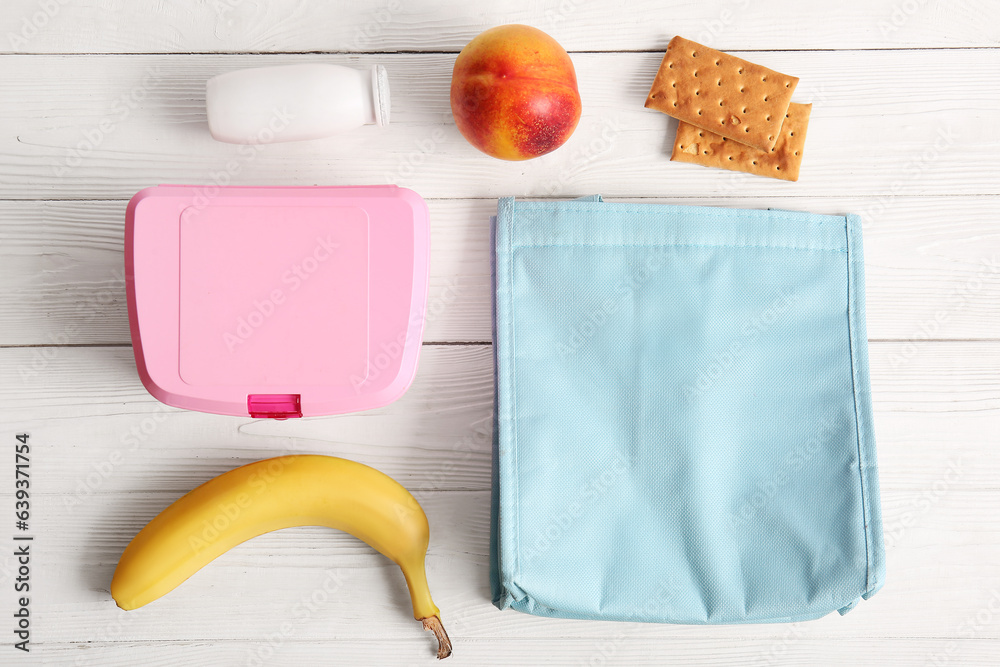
column 433, row 623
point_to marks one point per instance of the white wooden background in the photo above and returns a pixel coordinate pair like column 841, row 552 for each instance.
column 99, row 98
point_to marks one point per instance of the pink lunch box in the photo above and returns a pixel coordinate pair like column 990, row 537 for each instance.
column 276, row 301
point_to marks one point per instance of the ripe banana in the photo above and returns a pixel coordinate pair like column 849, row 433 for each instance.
column 305, row 490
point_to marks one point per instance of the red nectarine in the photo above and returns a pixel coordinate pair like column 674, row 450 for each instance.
column 514, row 94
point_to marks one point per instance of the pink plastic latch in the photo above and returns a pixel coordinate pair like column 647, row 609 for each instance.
column 274, row 406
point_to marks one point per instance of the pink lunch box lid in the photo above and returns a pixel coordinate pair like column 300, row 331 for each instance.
column 276, row 301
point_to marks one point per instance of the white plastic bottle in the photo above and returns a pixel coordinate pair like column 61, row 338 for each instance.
column 295, row 102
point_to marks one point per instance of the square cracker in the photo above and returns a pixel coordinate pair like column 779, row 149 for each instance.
column 783, row 160
column 721, row 93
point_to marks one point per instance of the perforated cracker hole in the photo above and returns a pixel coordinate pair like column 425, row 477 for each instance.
column 700, row 134
column 778, row 168
column 796, row 152
column 730, row 157
column 716, row 63
column 755, row 161
column 699, row 112
column 768, row 118
column 763, row 78
column 670, row 65
column 696, row 74
column 765, row 98
column 694, row 54
column 739, row 71
column 791, row 134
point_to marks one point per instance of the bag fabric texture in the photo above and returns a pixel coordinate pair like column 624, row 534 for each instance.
column 683, row 423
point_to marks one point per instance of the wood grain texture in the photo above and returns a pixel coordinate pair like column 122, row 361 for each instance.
column 100, row 433
column 327, row 585
column 119, row 26
column 907, row 138
column 620, row 650
column 936, row 413
column 106, row 126
column 932, row 263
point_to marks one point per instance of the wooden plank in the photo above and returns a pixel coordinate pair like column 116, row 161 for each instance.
column 96, row 127
column 619, row 649
column 436, row 436
column 907, row 138
column 950, row 555
column 933, row 268
column 97, row 431
column 118, row 26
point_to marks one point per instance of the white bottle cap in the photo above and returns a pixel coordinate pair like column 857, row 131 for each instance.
column 380, row 95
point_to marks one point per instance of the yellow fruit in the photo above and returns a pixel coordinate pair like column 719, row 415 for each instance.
column 269, row 495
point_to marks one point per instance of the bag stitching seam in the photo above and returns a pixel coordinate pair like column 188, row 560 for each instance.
column 852, row 333
column 673, row 245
